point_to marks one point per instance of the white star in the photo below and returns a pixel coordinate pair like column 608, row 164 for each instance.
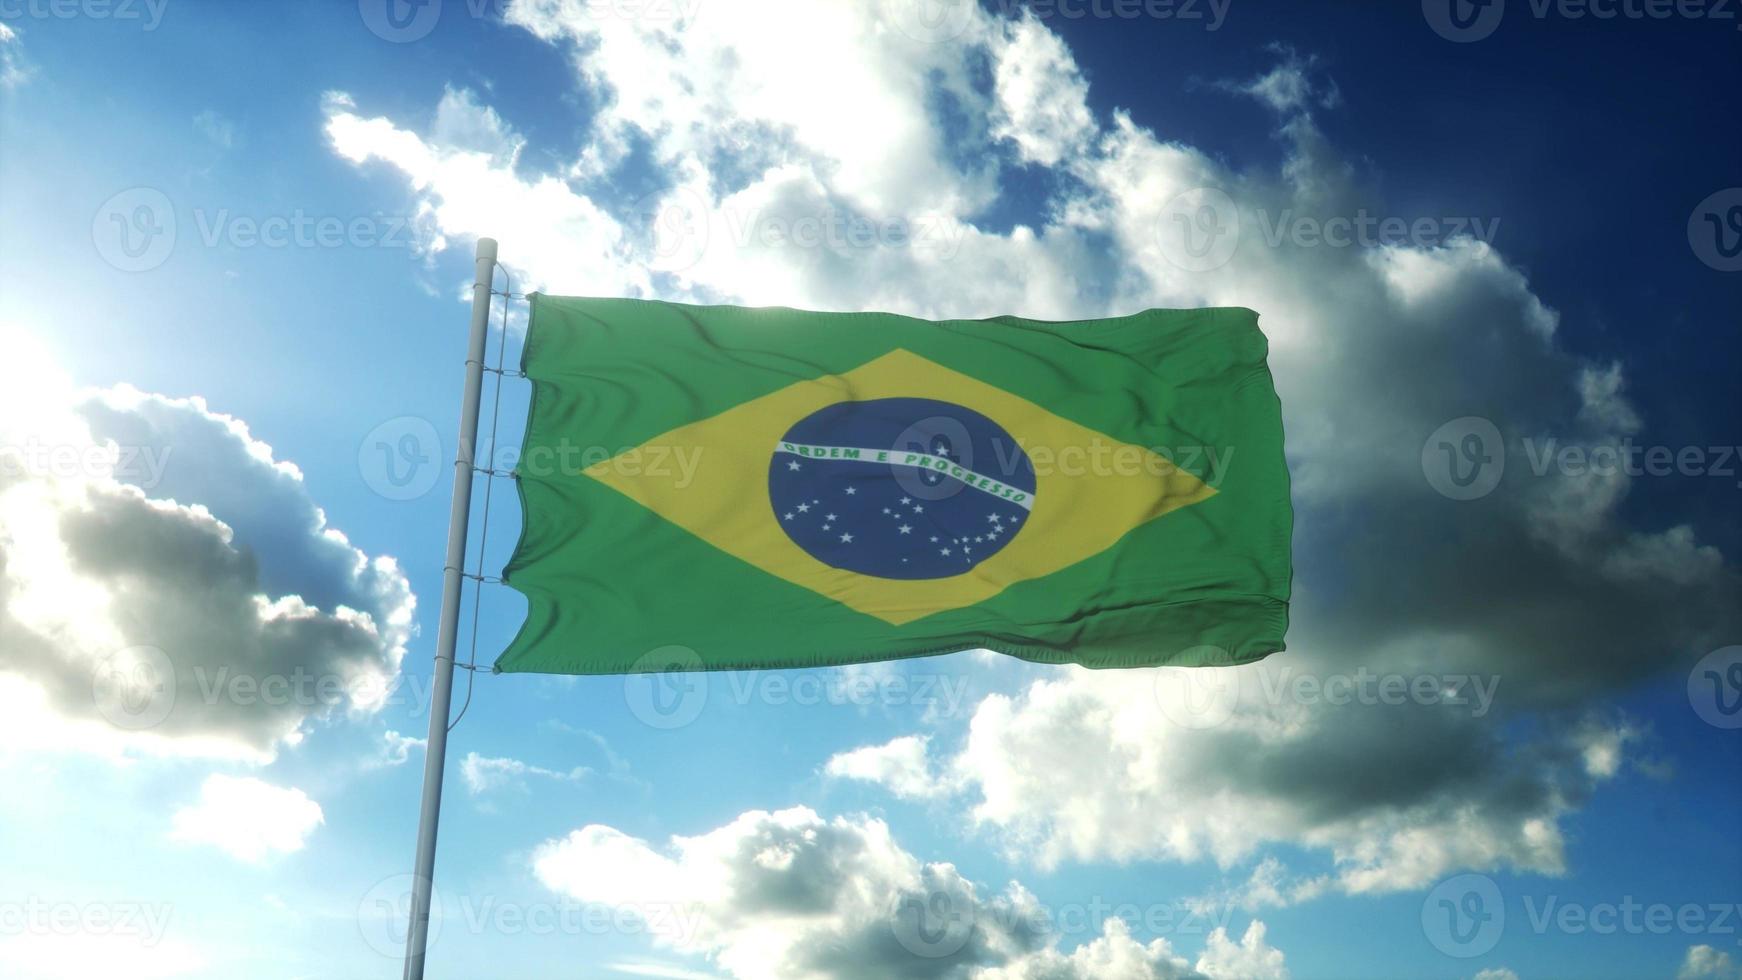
column 919, row 508
column 943, row 551
column 826, row 527
column 804, row 508
column 907, row 500
column 829, row 518
column 789, row 515
column 792, row 465
column 993, row 518
column 852, row 490
column 846, row 539
column 885, row 510
column 934, row 539
column 904, row 529
column 978, row 538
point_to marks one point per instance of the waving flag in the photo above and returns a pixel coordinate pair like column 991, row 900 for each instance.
column 776, row 488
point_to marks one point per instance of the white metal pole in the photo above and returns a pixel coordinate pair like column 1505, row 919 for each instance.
column 447, row 635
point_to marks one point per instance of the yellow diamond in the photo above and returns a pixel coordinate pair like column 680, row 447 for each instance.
column 1081, row 507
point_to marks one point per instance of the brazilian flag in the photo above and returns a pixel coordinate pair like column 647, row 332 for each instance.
column 715, row 487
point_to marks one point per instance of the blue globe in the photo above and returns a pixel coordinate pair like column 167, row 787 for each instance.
column 900, row 488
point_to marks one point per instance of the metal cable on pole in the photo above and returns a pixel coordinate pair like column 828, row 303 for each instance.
column 478, row 579
column 453, row 572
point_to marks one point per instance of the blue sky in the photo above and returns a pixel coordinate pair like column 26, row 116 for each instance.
column 1565, row 286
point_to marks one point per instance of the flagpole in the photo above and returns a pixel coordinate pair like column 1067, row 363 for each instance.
column 447, row 634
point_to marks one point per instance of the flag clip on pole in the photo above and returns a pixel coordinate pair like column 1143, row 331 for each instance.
column 447, row 635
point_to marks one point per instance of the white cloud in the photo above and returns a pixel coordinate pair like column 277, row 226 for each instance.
column 1248, row 958
column 793, row 896
column 1095, row 766
column 1042, row 98
column 901, row 765
column 553, row 229
column 13, row 69
column 1291, row 85
column 723, row 78
column 215, row 127
column 1269, row 885
column 483, row 774
column 248, row 819
column 1704, row 962
column 397, row 748
column 1497, row 973
column 166, row 583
